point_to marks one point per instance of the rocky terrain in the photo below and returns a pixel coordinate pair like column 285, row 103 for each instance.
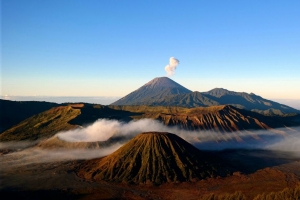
column 154, row 157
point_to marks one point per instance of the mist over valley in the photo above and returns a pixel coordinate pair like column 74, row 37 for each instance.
column 135, row 135
column 195, row 100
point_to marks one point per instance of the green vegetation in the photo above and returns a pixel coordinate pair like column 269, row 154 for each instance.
column 45, row 124
column 13, row 112
column 62, row 118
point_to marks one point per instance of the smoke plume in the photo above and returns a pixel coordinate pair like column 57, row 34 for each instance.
column 171, row 67
column 103, row 129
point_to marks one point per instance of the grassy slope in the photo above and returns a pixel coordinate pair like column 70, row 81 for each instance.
column 13, row 112
column 48, row 123
column 219, row 118
column 44, row 124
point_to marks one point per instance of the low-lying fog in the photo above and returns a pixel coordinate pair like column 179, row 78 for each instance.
column 277, row 139
column 284, row 139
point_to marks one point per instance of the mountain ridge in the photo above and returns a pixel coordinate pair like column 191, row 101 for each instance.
column 222, row 118
column 157, row 88
column 163, row 91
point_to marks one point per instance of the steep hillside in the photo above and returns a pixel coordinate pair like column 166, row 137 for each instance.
column 62, row 118
column 216, row 118
column 223, row 118
column 13, row 112
column 153, row 157
column 44, row 124
column 157, row 88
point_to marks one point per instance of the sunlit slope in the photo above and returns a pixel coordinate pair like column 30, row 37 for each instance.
column 223, row 118
column 155, row 157
column 44, row 124
column 13, row 112
column 62, row 118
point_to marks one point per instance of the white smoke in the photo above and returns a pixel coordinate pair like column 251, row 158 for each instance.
column 290, row 143
column 171, row 67
column 34, row 156
column 103, row 129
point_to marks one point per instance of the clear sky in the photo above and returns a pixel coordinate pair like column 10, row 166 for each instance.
column 110, row 48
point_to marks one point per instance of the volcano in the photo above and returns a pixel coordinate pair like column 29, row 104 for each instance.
column 158, row 88
column 163, row 91
column 153, row 157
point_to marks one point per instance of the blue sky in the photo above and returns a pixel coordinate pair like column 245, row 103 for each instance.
column 110, row 48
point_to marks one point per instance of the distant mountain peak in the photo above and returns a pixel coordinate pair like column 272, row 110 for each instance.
column 162, row 82
column 163, row 91
column 219, row 92
column 157, row 88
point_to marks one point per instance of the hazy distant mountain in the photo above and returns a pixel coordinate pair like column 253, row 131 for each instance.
column 248, row 101
column 157, row 88
column 192, row 99
column 165, row 92
column 153, row 157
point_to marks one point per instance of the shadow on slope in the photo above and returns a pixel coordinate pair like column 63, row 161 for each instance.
column 90, row 113
column 13, row 112
column 248, row 161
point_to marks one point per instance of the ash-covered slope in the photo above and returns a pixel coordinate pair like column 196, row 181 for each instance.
column 157, row 88
column 154, row 157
